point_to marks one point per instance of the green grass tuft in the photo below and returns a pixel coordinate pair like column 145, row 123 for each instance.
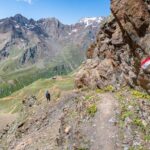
column 92, row 110
column 138, row 94
column 109, row 88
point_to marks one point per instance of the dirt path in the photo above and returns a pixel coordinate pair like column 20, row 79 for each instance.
column 106, row 133
column 6, row 119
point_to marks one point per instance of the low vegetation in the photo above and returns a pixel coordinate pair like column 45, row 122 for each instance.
column 108, row 88
column 11, row 81
column 134, row 116
column 92, row 110
column 55, row 86
column 141, row 95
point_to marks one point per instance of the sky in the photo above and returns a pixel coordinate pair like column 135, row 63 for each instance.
column 67, row 11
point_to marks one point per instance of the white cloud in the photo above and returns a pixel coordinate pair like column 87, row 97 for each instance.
column 27, row 1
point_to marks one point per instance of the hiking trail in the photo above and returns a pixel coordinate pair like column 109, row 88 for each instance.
column 106, row 133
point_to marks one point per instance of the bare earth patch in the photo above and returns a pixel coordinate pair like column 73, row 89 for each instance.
column 6, row 119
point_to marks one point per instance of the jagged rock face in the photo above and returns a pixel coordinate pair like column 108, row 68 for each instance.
column 30, row 54
column 135, row 28
column 133, row 23
column 123, row 40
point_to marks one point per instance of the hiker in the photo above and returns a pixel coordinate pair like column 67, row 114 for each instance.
column 48, row 96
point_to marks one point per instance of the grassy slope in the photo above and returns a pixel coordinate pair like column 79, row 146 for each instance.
column 13, row 76
column 12, row 103
column 16, row 80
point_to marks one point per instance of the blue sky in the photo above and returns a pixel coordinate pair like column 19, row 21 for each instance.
column 67, row 11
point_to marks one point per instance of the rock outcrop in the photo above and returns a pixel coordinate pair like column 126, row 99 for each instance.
column 114, row 58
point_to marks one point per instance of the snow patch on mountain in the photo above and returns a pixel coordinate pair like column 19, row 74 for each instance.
column 74, row 30
column 90, row 20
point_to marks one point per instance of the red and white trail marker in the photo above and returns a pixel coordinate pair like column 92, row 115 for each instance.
column 145, row 63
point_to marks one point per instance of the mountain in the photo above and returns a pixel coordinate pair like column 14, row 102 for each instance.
column 47, row 37
column 32, row 49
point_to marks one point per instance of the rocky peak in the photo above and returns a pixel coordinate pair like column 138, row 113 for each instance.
column 20, row 19
column 52, row 23
column 48, row 20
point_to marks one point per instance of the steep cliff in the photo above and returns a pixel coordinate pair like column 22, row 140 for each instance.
column 114, row 58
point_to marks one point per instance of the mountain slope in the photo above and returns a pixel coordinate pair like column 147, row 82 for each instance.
column 75, row 119
column 33, row 40
column 70, row 114
column 31, row 49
